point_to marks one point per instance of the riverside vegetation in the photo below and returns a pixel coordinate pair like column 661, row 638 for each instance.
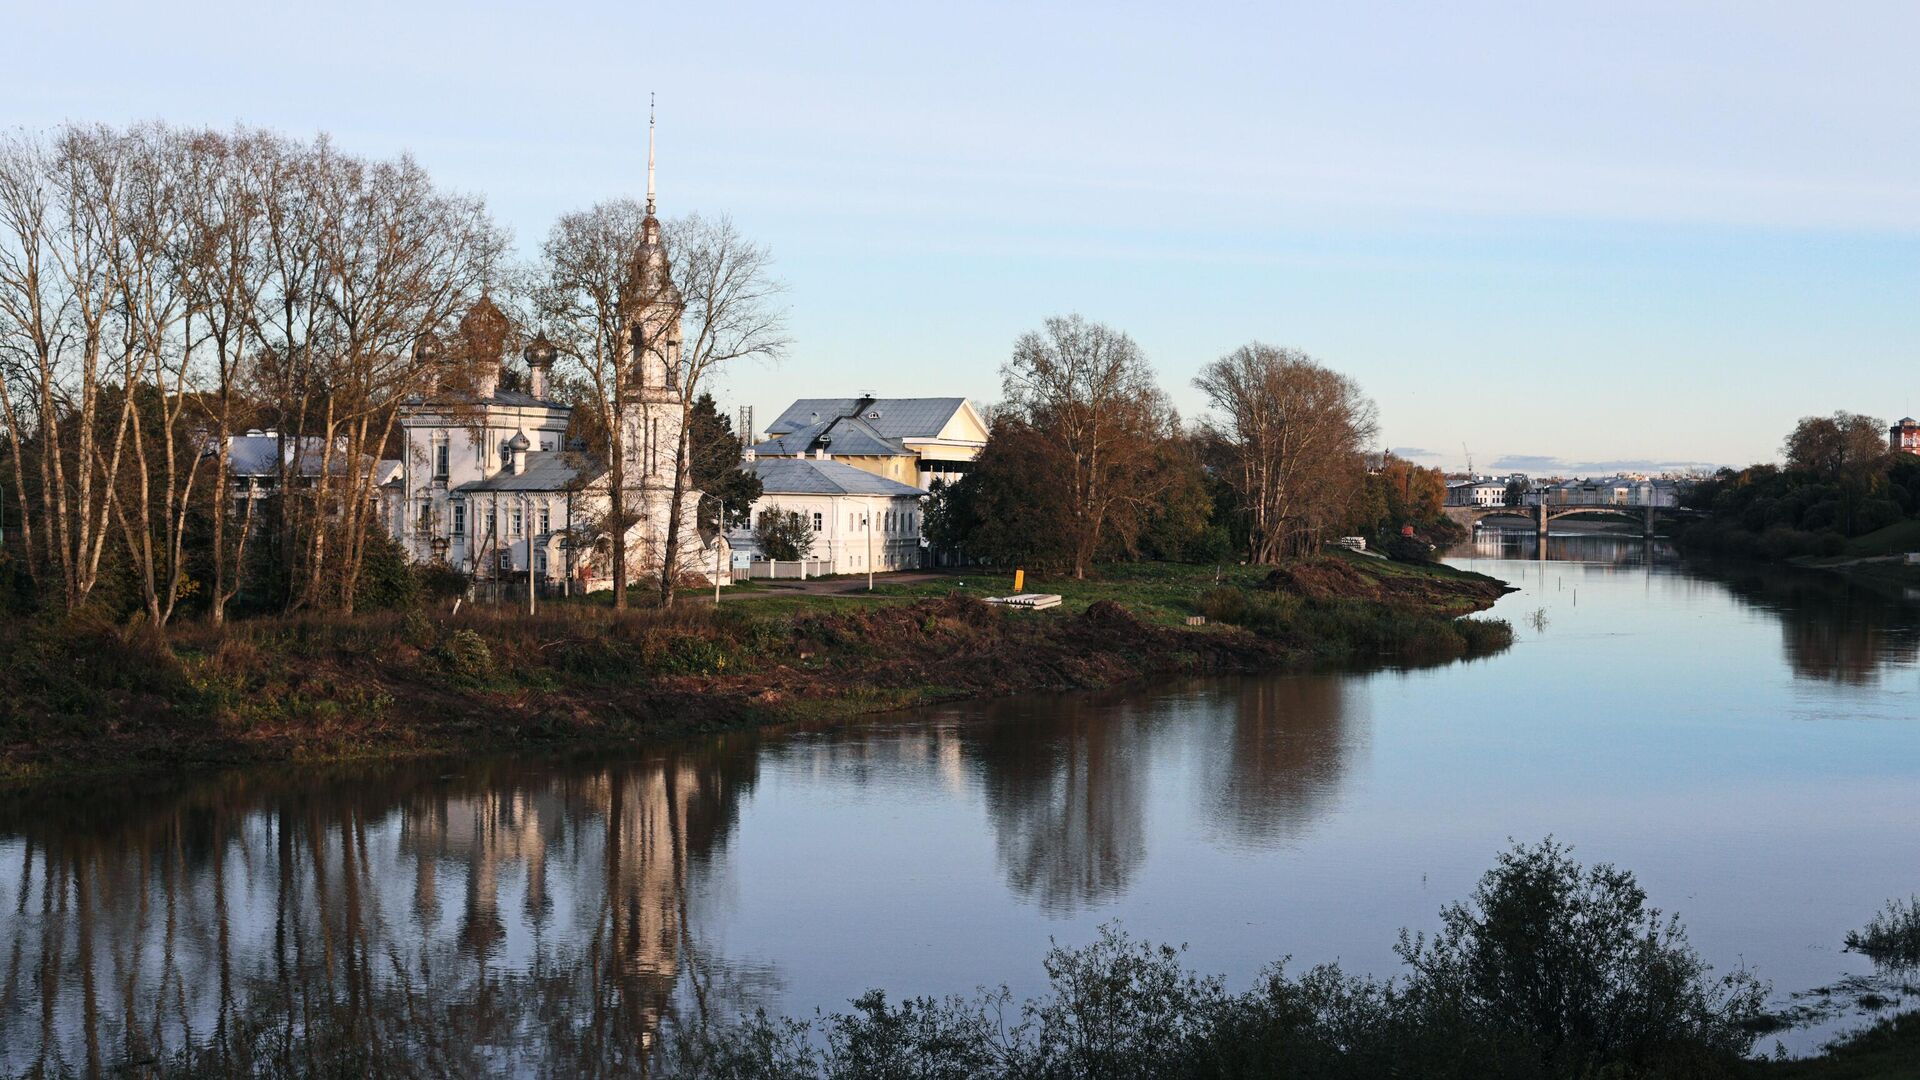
column 89, row 695
column 1548, row 970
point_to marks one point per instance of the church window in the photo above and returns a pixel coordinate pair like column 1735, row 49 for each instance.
column 513, row 521
column 459, row 518
column 440, row 469
column 546, row 520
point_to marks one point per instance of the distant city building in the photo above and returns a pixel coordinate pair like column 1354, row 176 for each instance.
column 1480, row 491
column 1904, row 437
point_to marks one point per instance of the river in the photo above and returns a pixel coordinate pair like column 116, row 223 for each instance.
column 1746, row 742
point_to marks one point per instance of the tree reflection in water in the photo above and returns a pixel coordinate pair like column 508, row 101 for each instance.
column 1065, row 784
column 1832, row 629
column 1279, row 749
column 287, row 925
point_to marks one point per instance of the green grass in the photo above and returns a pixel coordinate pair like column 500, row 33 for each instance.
column 1899, row 537
column 1161, row 593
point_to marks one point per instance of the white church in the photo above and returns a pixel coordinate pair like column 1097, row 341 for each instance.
column 487, row 484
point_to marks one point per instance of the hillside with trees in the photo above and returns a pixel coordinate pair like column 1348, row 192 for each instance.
column 1838, row 482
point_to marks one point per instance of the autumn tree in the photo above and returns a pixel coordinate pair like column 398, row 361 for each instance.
column 1085, row 390
column 1844, row 446
column 1290, row 433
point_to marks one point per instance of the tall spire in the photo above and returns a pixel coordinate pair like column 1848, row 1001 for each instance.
column 649, row 154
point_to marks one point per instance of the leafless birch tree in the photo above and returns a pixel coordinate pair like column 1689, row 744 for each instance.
column 1291, row 434
column 728, row 309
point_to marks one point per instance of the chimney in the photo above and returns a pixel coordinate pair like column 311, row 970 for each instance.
column 540, row 354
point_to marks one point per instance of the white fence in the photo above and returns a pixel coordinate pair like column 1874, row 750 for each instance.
column 797, row 569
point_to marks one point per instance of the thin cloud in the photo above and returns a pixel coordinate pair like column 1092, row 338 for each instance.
column 1547, row 463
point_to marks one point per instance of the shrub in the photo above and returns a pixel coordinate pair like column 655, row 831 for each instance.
column 1550, row 970
column 465, row 652
column 1484, row 635
column 1893, row 937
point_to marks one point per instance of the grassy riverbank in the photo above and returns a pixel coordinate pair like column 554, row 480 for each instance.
column 87, row 697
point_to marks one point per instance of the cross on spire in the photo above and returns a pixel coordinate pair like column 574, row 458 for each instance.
column 649, row 154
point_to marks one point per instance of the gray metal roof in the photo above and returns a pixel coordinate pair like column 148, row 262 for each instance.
column 899, row 418
column 548, row 470
column 844, row 435
column 816, row 476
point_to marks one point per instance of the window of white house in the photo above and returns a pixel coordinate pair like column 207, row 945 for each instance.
column 506, row 560
column 546, row 520
column 493, row 523
column 440, row 460
column 540, row 561
column 513, row 521
column 426, row 515
column 850, row 525
column 459, row 518
column 816, row 523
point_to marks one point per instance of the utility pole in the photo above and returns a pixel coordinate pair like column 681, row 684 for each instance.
column 526, row 526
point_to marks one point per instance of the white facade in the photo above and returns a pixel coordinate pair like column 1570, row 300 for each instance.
column 860, row 521
column 487, row 485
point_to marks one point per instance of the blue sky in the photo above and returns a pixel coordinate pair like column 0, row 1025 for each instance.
column 1561, row 234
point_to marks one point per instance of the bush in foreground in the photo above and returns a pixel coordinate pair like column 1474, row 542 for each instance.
column 1549, row 970
column 1893, row 937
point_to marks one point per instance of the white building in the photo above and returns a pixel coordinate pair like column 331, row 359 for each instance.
column 860, row 521
column 912, row 440
column 1478, row 492
column 486, row 485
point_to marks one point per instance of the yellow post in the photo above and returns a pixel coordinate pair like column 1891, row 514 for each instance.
column 1019, row 580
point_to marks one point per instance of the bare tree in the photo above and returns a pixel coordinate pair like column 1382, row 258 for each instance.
column 727, row 309
column 1291, row 433
column 586, row 294
column 1087, row 390
column 223, row 204
column 61, row 230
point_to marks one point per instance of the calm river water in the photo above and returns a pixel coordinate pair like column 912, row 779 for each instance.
column 1748, row 743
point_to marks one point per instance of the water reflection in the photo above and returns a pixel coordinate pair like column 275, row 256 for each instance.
column 1279, row 751
column 1832, row 628
column 499, row 920
column 1613, row 548
column 1065, row 791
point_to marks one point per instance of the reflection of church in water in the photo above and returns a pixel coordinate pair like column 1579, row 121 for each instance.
column 629, row 843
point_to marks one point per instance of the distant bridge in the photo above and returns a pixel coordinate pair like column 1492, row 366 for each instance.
column 1545, row 512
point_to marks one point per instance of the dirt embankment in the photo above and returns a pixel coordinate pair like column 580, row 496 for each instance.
column 91, row 699
column 1332, row 578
